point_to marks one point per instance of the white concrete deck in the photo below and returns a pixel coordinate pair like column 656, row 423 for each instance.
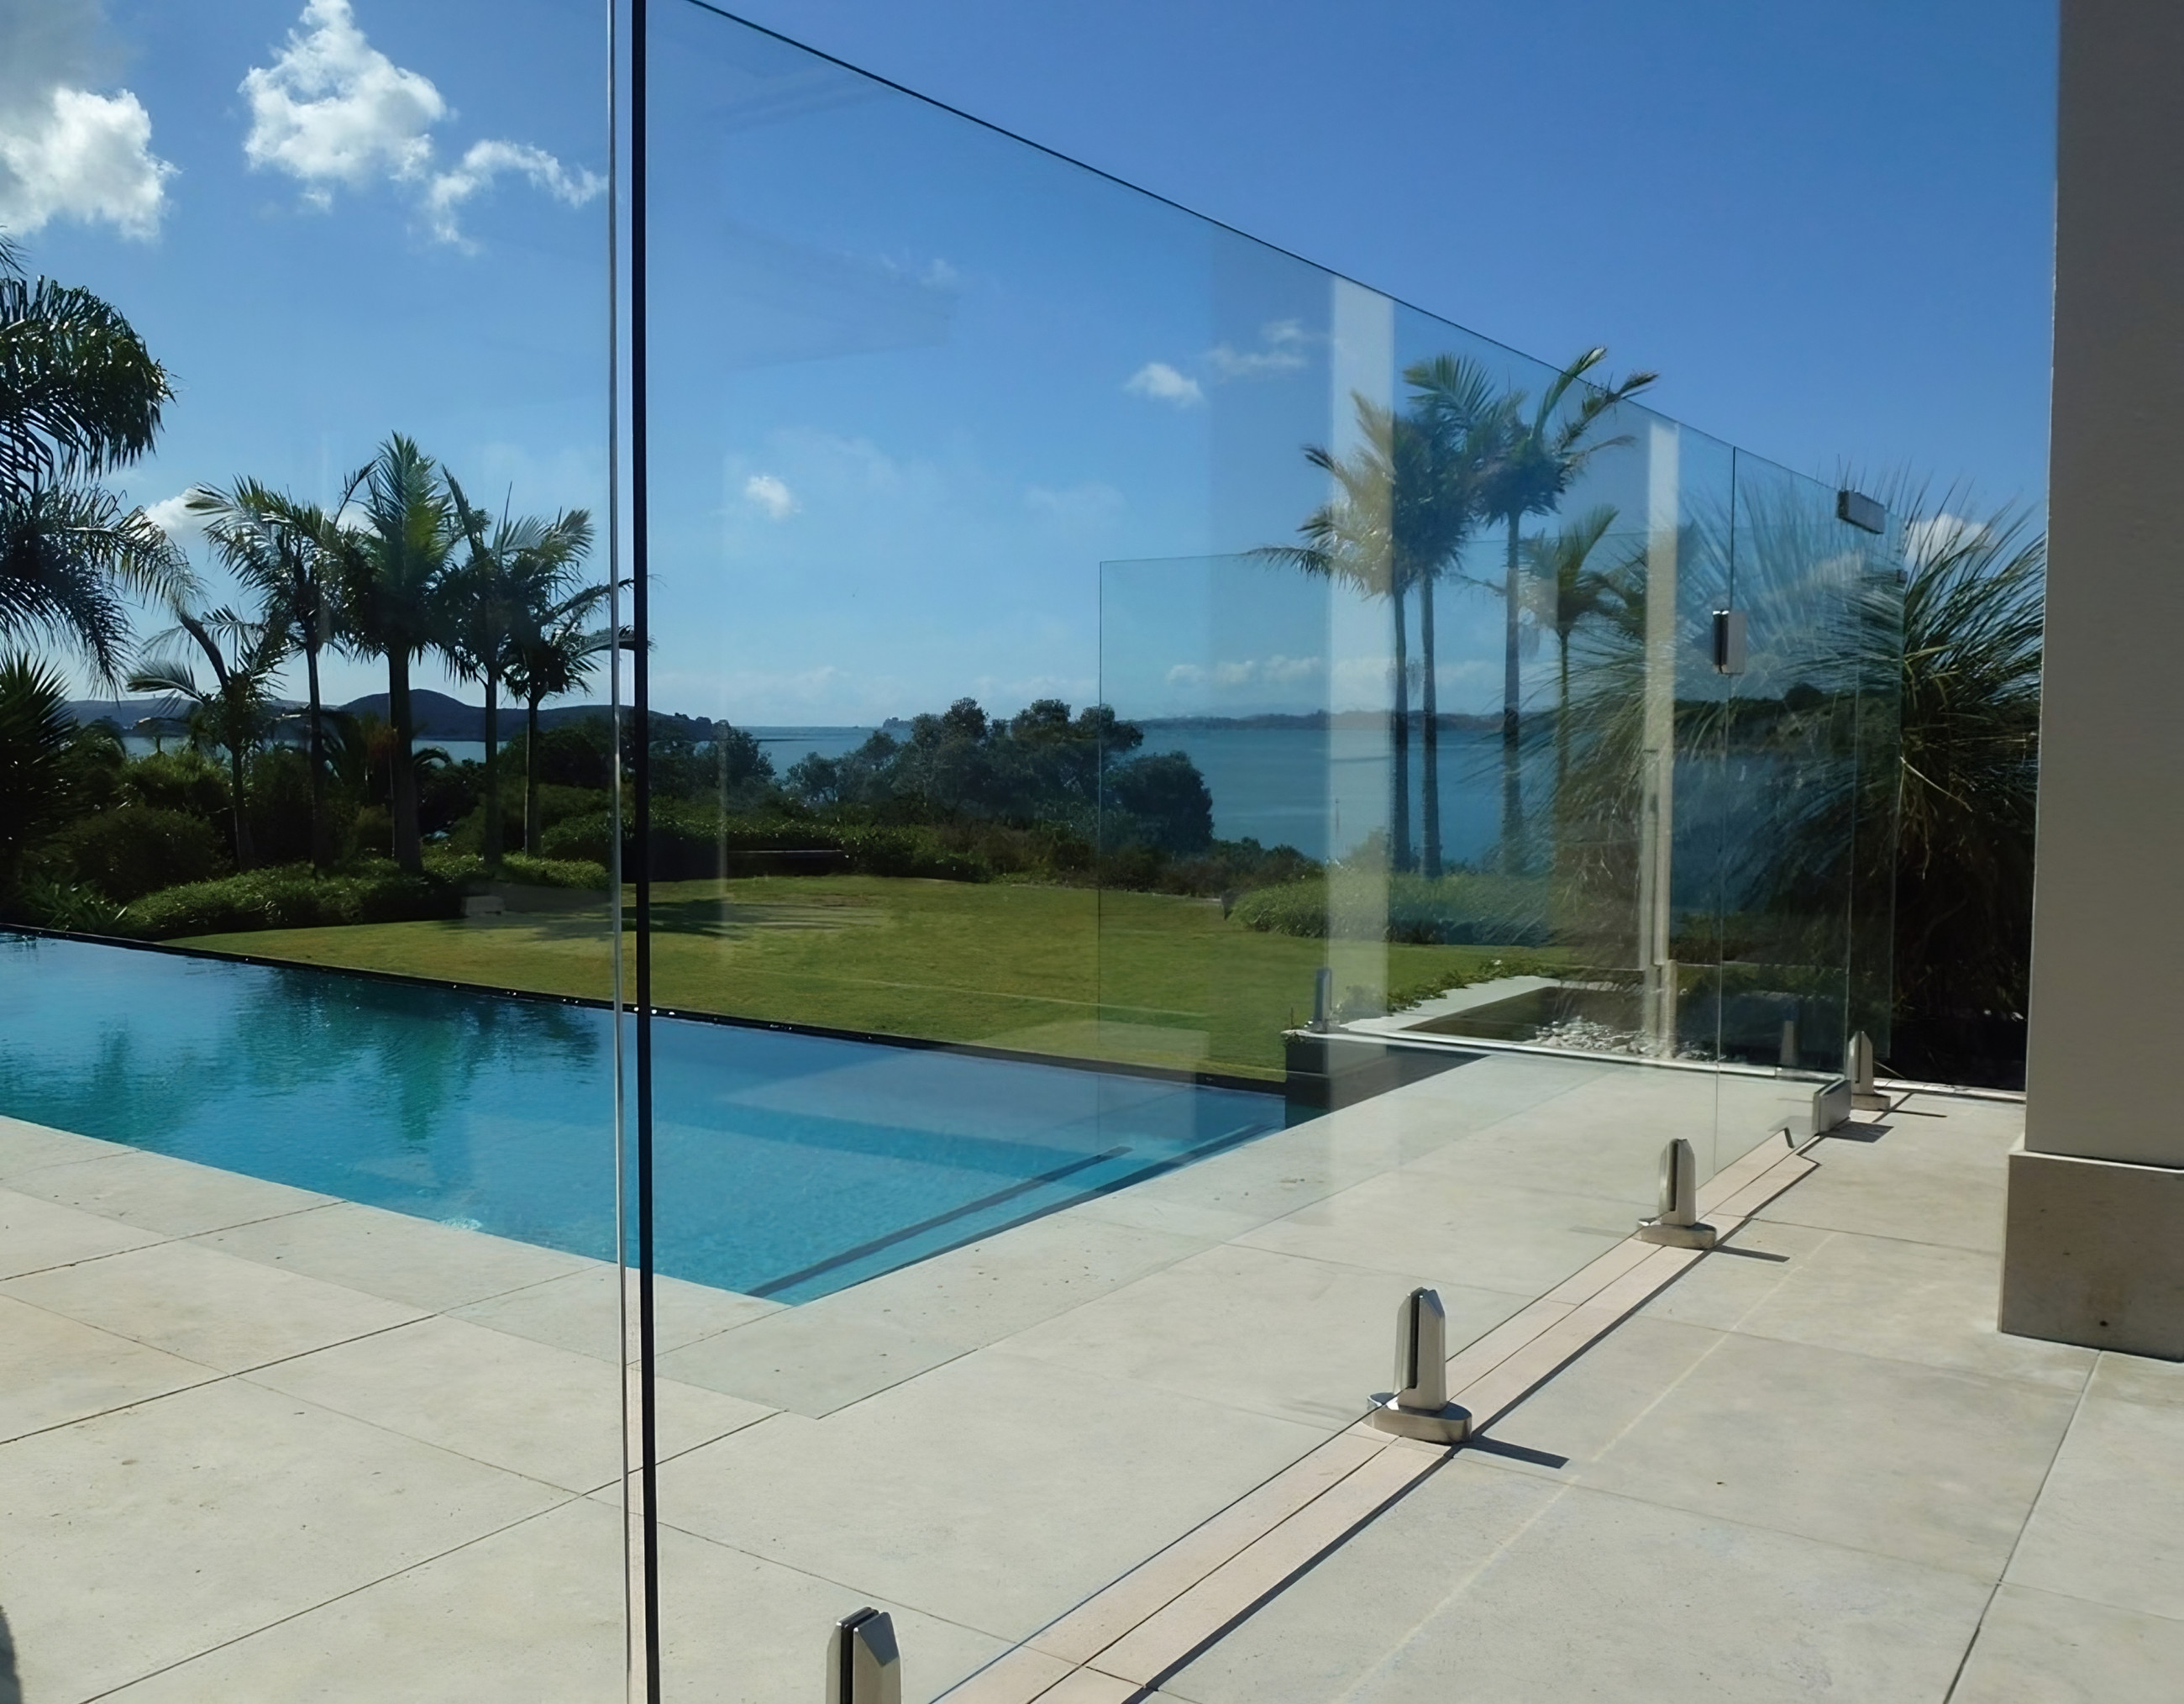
column 1812, row 1467
column 264, row 1444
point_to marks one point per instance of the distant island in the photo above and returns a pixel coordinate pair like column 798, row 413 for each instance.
column 440, row 717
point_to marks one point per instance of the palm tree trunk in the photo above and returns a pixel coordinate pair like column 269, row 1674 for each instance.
column 320, row 853
column 1512, row 783
column 1562, row 724
column 1429, row 715
column 1399, row 802
column 531, row 776
column 244, row 854
column 492, row 771
column 401, row 776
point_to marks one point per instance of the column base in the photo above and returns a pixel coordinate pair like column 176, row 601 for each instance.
column 2094, row 1254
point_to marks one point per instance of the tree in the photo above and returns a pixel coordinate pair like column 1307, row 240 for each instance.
column 34, row 787
column 391, row 570
column 233, row 712
column 1543, row 455
column 504, row 593
column 1460, row 431
column 556, row 653
column 289, row 553
column 1566, row 589
column 1352, row 538
column 1963, row 791
column 1406, row 498
column 80, row 397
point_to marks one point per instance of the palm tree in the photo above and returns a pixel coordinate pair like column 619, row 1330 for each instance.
column 556, row 654
column 390, row 571
column 1971, row 721
column 34, row 776
column 1461, row 428
column 493, row 601
column 1542, row 457
column 1353, row 537
column 1565, row 591
column 80, row 397
column 288, row 552
column 232, row 711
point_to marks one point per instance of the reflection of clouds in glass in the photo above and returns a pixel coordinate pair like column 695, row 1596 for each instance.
column 1271, row 671
column 1161, row 383
column 66, row 153
column 770, row 496
column 332, row 109
column 1078, row 508
column 1283, row 353
column 1006, row 696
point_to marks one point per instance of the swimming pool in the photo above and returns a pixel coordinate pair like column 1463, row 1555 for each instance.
column 786, row 1164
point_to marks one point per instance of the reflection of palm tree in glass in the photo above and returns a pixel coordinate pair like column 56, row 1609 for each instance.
column 1566, row 589
column 1351, row 539
column 1544, row 454
column 1404, row 500
column 1463, row 427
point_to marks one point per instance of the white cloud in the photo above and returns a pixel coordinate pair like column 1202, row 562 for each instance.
column 65, row 152
column 332, row 110
column 1935, row 535
column 770, row 496
column 172, row 516
column 1163, row 383
column 486, row 161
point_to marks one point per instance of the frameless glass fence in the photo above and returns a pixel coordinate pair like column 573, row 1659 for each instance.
column 1170, row 800
column 309, row 1281
column 1183, row 800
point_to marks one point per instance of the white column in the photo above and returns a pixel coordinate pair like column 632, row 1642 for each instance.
column 2095, row 1248
column 1362, row 363
column 1656, row 777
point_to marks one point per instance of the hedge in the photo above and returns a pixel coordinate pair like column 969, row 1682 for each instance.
column 288, row 897
column 1458, row 910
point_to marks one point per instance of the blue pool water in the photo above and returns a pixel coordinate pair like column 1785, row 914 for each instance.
column 785, row 1165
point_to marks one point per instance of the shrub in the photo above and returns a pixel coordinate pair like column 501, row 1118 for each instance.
column 290, row 897
column 277, row 800
column 72, row 905
column 181, row 780
column 691, row 845
column 134, row 850
column 1459, row 909
column 469, row 868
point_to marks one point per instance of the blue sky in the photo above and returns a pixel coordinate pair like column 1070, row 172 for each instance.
column 914, row 384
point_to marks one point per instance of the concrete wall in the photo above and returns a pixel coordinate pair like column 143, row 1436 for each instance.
column 2105, row 1075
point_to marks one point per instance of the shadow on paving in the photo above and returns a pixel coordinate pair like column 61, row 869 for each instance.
column 11, row 1683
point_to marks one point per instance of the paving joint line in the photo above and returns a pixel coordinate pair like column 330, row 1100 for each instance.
column 1741, row 1176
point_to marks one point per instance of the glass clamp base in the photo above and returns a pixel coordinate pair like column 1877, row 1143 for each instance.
column 1675, row 1236
column 1447, row 1425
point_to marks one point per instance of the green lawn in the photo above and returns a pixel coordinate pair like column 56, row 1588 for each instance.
column 1143, row 978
